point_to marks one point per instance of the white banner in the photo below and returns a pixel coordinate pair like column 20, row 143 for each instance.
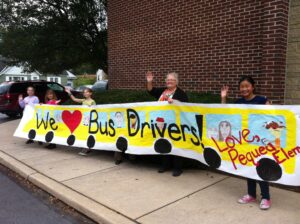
column 254, row 141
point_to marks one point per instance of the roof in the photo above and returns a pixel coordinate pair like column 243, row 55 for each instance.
column 70, row 75
column 18, row 70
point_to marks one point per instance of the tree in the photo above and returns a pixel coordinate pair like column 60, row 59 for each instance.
column 53, row 35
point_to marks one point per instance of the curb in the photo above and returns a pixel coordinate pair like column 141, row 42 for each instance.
column 86, row 206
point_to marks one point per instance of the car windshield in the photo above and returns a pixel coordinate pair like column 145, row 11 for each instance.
column 4, row 88
column 55, row 87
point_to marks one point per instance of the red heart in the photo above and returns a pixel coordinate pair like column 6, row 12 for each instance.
column 72, row 120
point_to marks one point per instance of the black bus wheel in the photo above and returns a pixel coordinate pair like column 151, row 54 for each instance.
column 122, row 144
column 268, row 170
column 162, row 146
column 212, row 158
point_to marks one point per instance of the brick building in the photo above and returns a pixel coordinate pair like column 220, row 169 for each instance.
column 208, row 42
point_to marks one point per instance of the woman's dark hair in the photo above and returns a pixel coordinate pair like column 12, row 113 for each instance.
column 248, row 79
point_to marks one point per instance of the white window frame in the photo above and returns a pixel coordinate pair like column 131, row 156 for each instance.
column 10, row 78
column 35, row 77
column 70, row 82
column 54, row 79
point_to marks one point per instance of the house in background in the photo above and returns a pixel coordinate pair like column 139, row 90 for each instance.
column 18, row 73
column 101, row 75
column 70, row 78
column 66, row 78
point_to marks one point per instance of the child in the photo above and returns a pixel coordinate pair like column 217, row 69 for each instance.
column 88, row 101
column 51, row 99
column 246, row 85
column 31, row 99
column 87, row 94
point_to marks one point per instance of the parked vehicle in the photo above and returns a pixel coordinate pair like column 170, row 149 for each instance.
column 100, row 86
column 10, row 91
column 83, row 87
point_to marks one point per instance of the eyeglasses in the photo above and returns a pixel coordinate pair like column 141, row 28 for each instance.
column 170, row 80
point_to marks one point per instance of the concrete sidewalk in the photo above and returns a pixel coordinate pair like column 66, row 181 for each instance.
column 136, row 193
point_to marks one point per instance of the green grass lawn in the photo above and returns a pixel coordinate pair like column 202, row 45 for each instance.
column 84, row 81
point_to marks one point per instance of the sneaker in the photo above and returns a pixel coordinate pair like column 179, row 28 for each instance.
column 177, row 172
column 84, row 152
column 51, row 146
column 265, row 204
column 246, row 199
column 163, row 169
column 132, row 158
column 29, row 141
column 118, row 162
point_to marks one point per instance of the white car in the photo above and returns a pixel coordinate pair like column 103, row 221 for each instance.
column 100, row 86
column 83, row 87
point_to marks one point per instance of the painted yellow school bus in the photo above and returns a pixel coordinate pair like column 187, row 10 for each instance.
column 252, row 141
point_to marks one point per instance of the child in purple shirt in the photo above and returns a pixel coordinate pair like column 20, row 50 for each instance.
column 31, row 99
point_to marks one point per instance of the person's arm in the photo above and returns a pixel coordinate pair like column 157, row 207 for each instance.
column 21, row 101
column 149, row 78
column 155, row 92
column 224, row 94
column 36, row 100
column 73, row 97
column 76, row 99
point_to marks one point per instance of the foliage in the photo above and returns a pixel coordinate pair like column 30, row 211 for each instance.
column 54, row 35
column 80, row 81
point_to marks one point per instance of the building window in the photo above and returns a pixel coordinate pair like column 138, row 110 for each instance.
column 54, row 79
column 16, row 78
column 34, row 77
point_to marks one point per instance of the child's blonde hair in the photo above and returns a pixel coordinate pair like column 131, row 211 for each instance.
column 50, row 91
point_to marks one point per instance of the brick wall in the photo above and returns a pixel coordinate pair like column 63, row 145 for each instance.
column 208, row 42
column 292, row 90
